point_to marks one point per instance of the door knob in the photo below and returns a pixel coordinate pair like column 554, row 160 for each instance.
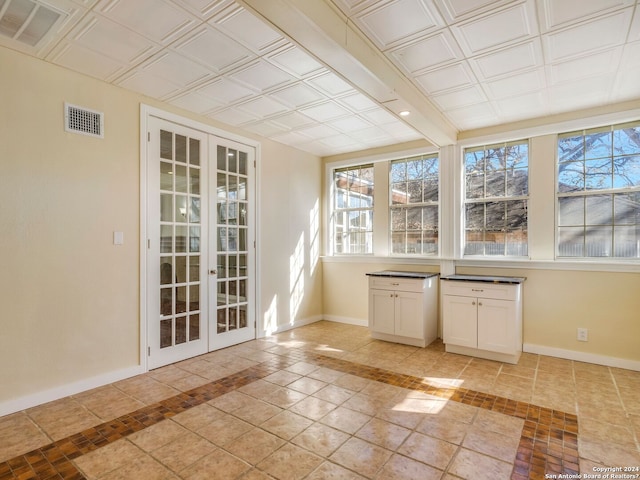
column 213, row 272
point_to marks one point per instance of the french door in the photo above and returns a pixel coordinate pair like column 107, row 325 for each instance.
column 200, row 248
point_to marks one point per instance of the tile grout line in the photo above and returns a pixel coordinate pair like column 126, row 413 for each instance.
column 548, row 441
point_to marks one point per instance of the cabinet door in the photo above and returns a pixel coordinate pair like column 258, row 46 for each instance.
column 382, row 311
column 460, row 323
column 409, row 315
column 497, row 325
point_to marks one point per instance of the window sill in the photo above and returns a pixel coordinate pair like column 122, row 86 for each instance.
column 632, row 266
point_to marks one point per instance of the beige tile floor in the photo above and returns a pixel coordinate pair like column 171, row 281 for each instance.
column 306, row 421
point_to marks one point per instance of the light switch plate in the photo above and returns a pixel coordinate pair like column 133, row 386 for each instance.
column 118, row 238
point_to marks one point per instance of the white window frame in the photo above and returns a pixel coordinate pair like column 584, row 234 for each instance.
column 585, row 194
column 429, row 203
column 495, row 199
column 350, row 209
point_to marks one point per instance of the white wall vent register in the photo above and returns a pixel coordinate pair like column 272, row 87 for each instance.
column 28, row 21
column 83, row 120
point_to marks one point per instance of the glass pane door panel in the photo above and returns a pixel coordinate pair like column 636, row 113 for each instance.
column 194, row 327
column 180, row 277
column 232, row 240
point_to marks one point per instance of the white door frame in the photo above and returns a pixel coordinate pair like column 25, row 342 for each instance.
column 147, row 111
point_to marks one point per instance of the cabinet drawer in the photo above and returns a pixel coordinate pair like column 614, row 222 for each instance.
column 499, row 291
column 397, row 283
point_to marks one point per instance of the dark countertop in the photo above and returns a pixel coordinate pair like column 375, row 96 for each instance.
column 398, row 273
column 484, row 278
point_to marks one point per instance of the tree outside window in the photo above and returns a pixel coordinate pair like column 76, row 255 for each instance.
column 496, row 199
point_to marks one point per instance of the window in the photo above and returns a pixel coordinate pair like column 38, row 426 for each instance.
column 353, row 209
column 598, row 192
column 496, row 196
column 413, row 198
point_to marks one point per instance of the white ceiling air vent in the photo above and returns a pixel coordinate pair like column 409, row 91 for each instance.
column 84, row 121
column 28, row 21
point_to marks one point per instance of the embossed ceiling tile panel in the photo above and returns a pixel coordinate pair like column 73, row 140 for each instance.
column 330, row 84
column 176, row 69
column 426, row 53
column 597, row 34
column 324, row 112
column 508, row 60
column 457, row 10
column 379, row 116
column 523, row 106
column 600, row 63
column 554, row 14
column 247, row 29
column 225, row 91
column 85, row 3
column 293, row 120
column 497, row 28
column 298, row 95
column 290, row 138
column 339, row 142
column 583, row 93
column 266, row 129
column 295, row 61
column 87, row 61
column 318, row 131
column 159, row 20
column 371, row 134
column 318, row 148
column 518, row 84
column 400, row 131
column 631, row 57
column 144, row 82
column 204, row 9
column 349, row 124
column 357, row 102
column 262, row 107
column 350, row 7
column 473, row 116
column 195, row 102
column 627, row 85
column 233, row 116
column 634, row 31
column 460, row 98
column 112, row 40
column 446, row 78
column 261, row 76
column 398, row 20
column 226, row 54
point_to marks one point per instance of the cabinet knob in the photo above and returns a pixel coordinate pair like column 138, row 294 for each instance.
column 473, row 303
column 479, row 304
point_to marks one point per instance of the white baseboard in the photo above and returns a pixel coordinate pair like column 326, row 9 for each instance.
column 289, row 326
column 38, row 398
column 582, row 356
column 348, row 320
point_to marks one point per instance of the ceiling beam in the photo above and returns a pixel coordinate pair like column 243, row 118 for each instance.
column 324, row 32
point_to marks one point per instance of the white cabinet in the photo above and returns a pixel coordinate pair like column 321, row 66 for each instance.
column 403, row 308
column 483, row 319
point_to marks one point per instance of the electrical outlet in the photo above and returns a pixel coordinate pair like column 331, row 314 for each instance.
column 583, row 334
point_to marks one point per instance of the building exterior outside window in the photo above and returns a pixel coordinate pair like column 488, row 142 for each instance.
column 496, row 199
column 352, row 215
column 598, row 192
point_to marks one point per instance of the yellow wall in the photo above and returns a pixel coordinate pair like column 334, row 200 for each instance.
column 70, row 298
column 558, row 302
column 555, row 304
